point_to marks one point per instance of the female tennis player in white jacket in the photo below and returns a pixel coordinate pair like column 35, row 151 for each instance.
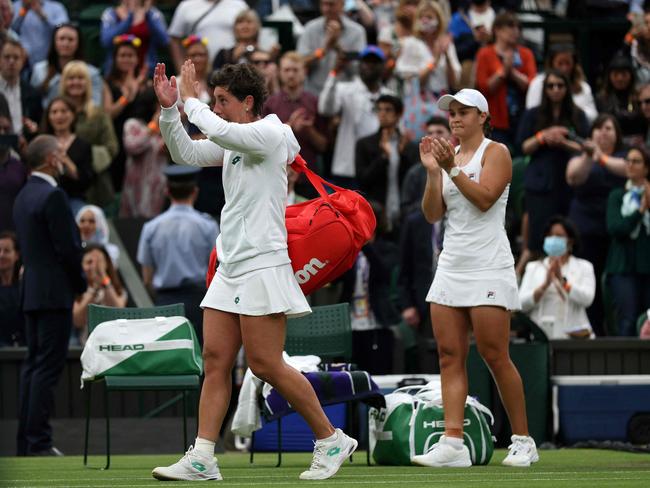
column 254, row 289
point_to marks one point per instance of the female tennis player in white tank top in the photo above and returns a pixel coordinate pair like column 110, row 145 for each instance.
column 474, row 287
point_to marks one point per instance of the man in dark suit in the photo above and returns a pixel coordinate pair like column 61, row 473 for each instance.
column 51, row 252
column 382, row 159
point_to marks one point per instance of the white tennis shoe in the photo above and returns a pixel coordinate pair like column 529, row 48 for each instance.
column 191, row 467
column 444, row 455
column 522, row 452
column 328, row 456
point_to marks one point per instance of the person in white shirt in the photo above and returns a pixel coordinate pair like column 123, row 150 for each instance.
column 474, row 287
column 563, row 58
column 556, row 290
column 254, row 289
column 212, row 19
column 430, row 54
column 24, row 102
column 354, row 101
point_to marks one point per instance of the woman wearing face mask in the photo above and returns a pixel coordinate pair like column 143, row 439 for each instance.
column 434, row 57
column 628, row 224
column 556, row 290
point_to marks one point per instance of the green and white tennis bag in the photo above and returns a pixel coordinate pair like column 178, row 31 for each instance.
column 153, row 346
column 413, row 421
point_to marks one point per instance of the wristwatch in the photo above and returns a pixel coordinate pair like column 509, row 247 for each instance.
column 453, row 172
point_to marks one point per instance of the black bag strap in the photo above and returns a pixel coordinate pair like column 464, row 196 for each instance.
column 205, row 14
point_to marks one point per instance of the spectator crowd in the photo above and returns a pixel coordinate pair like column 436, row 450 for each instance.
column 359, row 91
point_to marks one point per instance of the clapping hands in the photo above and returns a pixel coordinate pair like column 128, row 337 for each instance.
column 436, row 153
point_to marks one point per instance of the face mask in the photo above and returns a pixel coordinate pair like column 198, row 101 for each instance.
column 428, row 25
column 555, row 246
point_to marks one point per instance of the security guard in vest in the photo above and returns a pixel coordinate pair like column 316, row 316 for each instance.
column 174, row 248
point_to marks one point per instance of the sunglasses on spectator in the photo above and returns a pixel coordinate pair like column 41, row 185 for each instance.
column 634, row 161
column 260, row 62
column 559, row 86
column 72, row 25
column 645, row 101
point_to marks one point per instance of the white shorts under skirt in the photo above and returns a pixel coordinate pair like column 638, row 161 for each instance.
column 495, row 287
column 261, row 292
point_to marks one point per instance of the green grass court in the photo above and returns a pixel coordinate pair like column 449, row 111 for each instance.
column 570, row 468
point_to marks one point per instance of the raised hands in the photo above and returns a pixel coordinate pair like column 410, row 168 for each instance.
column 165, row 89
column 189, row 87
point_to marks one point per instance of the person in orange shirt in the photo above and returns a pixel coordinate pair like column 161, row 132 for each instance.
column 503, row 71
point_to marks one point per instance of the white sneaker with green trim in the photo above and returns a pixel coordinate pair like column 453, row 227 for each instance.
column 328, row 456
column 191, row 467
column 523, row 452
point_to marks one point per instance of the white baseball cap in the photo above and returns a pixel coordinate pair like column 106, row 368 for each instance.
column 467, row 97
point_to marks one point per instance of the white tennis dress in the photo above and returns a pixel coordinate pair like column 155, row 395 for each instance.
column 254, row 275
column 476, row 266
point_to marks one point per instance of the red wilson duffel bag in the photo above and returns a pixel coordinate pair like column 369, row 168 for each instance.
column 324, row 235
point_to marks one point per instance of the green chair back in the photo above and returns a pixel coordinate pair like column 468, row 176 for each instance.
column 517, row 192
column 89, row 19
column 99, row 313
column 326, row 332
column 640, row 321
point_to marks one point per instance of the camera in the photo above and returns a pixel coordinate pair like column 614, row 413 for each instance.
column 572, row 136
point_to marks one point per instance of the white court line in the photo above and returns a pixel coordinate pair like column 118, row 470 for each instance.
column 423, row 472
column 341, row 476
column 333, row 482
column 436, row 480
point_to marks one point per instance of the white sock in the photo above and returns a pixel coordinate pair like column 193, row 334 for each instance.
column 204, row 447
column 331, row 438
column 455, row 442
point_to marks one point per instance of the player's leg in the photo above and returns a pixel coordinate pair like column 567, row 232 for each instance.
column 221, row 342
column 492, row 332
column 451, row 330
column 263, row 338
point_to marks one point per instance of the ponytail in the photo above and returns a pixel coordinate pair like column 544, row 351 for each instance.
column 487, row 126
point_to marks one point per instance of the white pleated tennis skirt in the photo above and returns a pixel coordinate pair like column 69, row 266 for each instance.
column 264, row 291
column 495, row 287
